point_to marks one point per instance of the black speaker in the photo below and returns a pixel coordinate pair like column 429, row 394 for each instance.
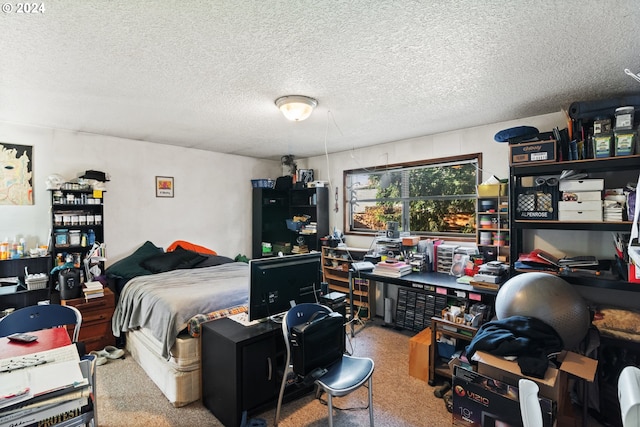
column 69, row 282
column 324, row 288
column 392, row 230
column 393, row 234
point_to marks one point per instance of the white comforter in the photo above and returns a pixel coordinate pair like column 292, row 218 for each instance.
column 165, row 302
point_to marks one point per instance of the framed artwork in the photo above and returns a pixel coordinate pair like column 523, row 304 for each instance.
column 164, row 186
column 305, row 175
column 16, row 171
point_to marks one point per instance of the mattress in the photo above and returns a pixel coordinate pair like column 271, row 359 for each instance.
column 178, row 377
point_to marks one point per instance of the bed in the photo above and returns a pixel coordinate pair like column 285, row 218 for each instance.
column 159, row 312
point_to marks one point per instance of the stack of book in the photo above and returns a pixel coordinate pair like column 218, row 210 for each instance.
column 392, row 269
column 311, row 228
column 93, row 290
column 300, row 249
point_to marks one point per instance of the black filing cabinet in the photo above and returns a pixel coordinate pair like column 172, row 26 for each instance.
column 240, row 368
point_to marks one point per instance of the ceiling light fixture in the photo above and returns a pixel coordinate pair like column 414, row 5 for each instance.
column 296, row 107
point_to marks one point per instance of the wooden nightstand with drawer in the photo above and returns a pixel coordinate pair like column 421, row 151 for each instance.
column 95, row 330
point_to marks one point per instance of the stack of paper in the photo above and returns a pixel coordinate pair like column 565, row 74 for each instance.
column 612, row 211
column 46, row 393
column 392, row 269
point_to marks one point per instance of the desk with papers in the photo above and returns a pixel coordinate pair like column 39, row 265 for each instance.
column 45, row 382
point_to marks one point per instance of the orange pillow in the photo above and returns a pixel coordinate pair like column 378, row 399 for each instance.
column 191, row 247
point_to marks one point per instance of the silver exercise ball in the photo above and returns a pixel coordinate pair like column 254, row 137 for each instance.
column 548, row 298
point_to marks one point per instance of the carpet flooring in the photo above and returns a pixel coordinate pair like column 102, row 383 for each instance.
column 127, row 397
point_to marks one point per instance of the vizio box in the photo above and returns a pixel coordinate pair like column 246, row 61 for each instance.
column 553, row 386
column 479, row 400
column 533, row 152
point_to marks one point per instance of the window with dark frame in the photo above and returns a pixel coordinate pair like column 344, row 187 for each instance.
column 432, row 197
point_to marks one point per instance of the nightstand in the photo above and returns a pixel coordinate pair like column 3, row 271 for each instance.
column 95, row 330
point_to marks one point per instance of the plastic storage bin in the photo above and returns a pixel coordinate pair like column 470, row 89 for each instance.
column 262, row 183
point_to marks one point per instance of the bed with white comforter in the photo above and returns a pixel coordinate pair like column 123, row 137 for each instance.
column 153, row 311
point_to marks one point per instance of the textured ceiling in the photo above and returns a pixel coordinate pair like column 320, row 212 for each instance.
column 205, row 74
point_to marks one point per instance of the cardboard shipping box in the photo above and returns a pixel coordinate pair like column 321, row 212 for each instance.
column 553, row 386
column 479, row 400
column 419, row 355
column 533, row 152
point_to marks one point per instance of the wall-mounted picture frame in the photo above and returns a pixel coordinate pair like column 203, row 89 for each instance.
column 305, row 175
column 164, row 186
column 16, row 184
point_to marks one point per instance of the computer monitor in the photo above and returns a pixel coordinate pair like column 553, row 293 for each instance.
column 277, row 283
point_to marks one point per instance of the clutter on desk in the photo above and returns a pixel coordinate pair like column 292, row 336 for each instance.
column 392, row 267
column 494, row 272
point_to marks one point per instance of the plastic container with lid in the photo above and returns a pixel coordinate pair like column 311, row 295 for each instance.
column 74, row 237
column 61, row 237
column 625, row 142
column 601, row 125
column 624, row 118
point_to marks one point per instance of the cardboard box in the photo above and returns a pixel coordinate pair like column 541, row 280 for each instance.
column 479, row 400
column 581, row 196
column 591, row 205
column 419, row 355
column 492, row 190
column 580, row 216
column 533, row 152
column 410, row 241
column 554, row 384
column 575, row 185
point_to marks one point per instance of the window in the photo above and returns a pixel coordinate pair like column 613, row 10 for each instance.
column 431, row 197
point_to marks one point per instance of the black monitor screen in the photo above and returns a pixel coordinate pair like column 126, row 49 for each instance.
column 277, row 282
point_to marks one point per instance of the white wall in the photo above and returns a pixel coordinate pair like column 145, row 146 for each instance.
column 211, row 206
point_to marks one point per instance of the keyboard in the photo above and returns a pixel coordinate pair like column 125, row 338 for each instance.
column 67, row 353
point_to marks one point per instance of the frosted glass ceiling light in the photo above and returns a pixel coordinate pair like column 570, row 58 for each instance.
column 296, row 107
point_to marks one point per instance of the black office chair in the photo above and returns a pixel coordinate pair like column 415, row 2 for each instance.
column 37, row 317
column 341, row 378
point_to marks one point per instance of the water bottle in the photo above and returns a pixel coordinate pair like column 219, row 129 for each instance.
column 91, row 237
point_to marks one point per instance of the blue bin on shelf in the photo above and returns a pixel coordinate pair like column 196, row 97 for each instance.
column 294, row 225
column 262, row 183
